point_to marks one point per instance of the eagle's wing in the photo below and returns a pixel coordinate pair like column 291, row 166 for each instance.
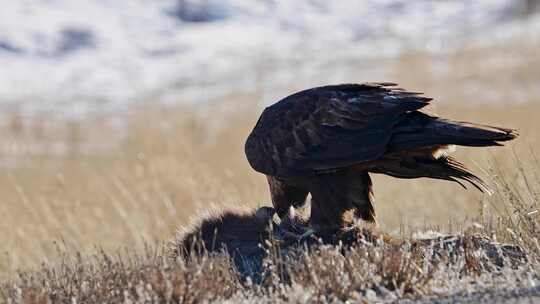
column 329, row 127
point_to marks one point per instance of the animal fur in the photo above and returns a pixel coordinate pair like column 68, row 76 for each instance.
column 222, row 230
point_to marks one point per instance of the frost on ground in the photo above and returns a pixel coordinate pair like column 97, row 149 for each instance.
column 72, row 58
column 368, row 272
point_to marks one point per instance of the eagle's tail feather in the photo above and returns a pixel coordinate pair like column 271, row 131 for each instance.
column 457, row 171
column 475, row 135
column 446, row 167
column 443, row 167
column 421, row 130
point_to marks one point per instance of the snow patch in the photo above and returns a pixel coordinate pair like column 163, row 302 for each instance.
column 74, row 57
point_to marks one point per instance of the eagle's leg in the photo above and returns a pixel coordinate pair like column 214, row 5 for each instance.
column 285, row 194
column 326, row 216
column 363, row 197
column 339, row 199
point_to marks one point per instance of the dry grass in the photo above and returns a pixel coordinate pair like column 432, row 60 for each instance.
column 93, row 183
column 366, row 272
column 160, row 174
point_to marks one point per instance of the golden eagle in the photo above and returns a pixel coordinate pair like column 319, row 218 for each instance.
column 326, row 140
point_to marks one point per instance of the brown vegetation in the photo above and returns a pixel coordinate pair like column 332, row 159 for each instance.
column 368, row 271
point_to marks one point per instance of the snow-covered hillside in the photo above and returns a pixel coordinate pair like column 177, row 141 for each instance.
column 73, row 57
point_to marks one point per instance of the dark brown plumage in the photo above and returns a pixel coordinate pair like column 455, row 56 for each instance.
column 326, row 140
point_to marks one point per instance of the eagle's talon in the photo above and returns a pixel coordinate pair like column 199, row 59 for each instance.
column 310, row 232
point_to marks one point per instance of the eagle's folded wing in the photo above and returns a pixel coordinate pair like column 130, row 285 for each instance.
column 327, row 128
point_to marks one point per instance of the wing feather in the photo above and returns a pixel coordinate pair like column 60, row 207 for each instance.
column 333, row 127
column 328, row 127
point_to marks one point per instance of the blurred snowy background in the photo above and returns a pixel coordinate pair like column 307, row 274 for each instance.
column 74, row 57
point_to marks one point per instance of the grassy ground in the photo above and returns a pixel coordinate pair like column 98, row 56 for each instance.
column 69, row 186
column 365, row 272
column 159, row 175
